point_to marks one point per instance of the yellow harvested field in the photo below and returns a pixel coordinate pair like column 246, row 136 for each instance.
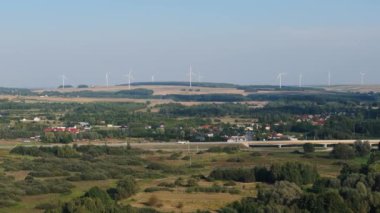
column 158, row 90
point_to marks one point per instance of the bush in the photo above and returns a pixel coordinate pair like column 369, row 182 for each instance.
column 343, row 151
column 235, row 160
column 9, row 193
column 157, row 189
column 291, row 171
column 38, row 187
column 47, row 206
column 96, row 192
column 175, row 156
column 239, row 175
column 167, row 185
column 308, row 148
column 124, row 189
column 294, row 172
column 230, row 183
column 362, row 148
column 283, row 192
column 213, row 189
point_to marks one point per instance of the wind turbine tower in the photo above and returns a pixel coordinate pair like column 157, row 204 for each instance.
column 129, row 77
column 300, row 78
column 63, row 81
column 280, row 75
column 107, row 79
column 362, row 74
column 190, row 76
column 153, row 77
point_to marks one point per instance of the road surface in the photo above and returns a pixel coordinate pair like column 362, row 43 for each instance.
column 201, row 145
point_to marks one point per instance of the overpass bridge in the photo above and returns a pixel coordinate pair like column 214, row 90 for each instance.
column 296, row 143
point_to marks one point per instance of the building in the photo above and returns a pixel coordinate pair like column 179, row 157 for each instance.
column 237, row 139
column 72, row 130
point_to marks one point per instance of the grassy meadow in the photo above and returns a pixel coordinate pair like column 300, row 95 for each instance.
column 164, row 177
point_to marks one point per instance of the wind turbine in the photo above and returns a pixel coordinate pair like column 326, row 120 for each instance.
column 153, row 77
column 190, row 74
column 130, row 78
column 107, row 79
column 280, row 75
column 362, row 74
column 63, row 81
column 300, row 78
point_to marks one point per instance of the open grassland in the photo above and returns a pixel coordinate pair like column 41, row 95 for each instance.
column 177, row 198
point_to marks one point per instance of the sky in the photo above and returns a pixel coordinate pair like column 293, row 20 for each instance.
column 234, row 41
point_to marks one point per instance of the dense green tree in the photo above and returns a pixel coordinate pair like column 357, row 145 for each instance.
column 283, row 193
column 239, row 174
column 343, row 151
column 308, row 148
column 362, row 148
column 96, row 192
column 294, row 172
column 124, row 188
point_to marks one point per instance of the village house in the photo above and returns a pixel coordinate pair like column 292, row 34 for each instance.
column 72, row 130
column 236, row 139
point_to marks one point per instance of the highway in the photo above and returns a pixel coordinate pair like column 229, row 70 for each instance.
column 201, row 145
column 324, row 143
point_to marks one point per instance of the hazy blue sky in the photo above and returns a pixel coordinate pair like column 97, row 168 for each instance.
column 238, row 41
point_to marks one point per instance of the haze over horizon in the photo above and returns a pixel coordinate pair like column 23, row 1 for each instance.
column 243, row 41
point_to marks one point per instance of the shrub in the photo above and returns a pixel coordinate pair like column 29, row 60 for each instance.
column 343, row 151
column 362, row 148
column 230, row 183
column 308, row 148
column 124, row 188
column 283, row 192
column 157, row 189
column 37, row 187
column 96, row 192
column 294, row 172
column 235, row 160
column 47, row 206
column 240, row 174
column 213, row 189
column 175, row 156
column 167, row 185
